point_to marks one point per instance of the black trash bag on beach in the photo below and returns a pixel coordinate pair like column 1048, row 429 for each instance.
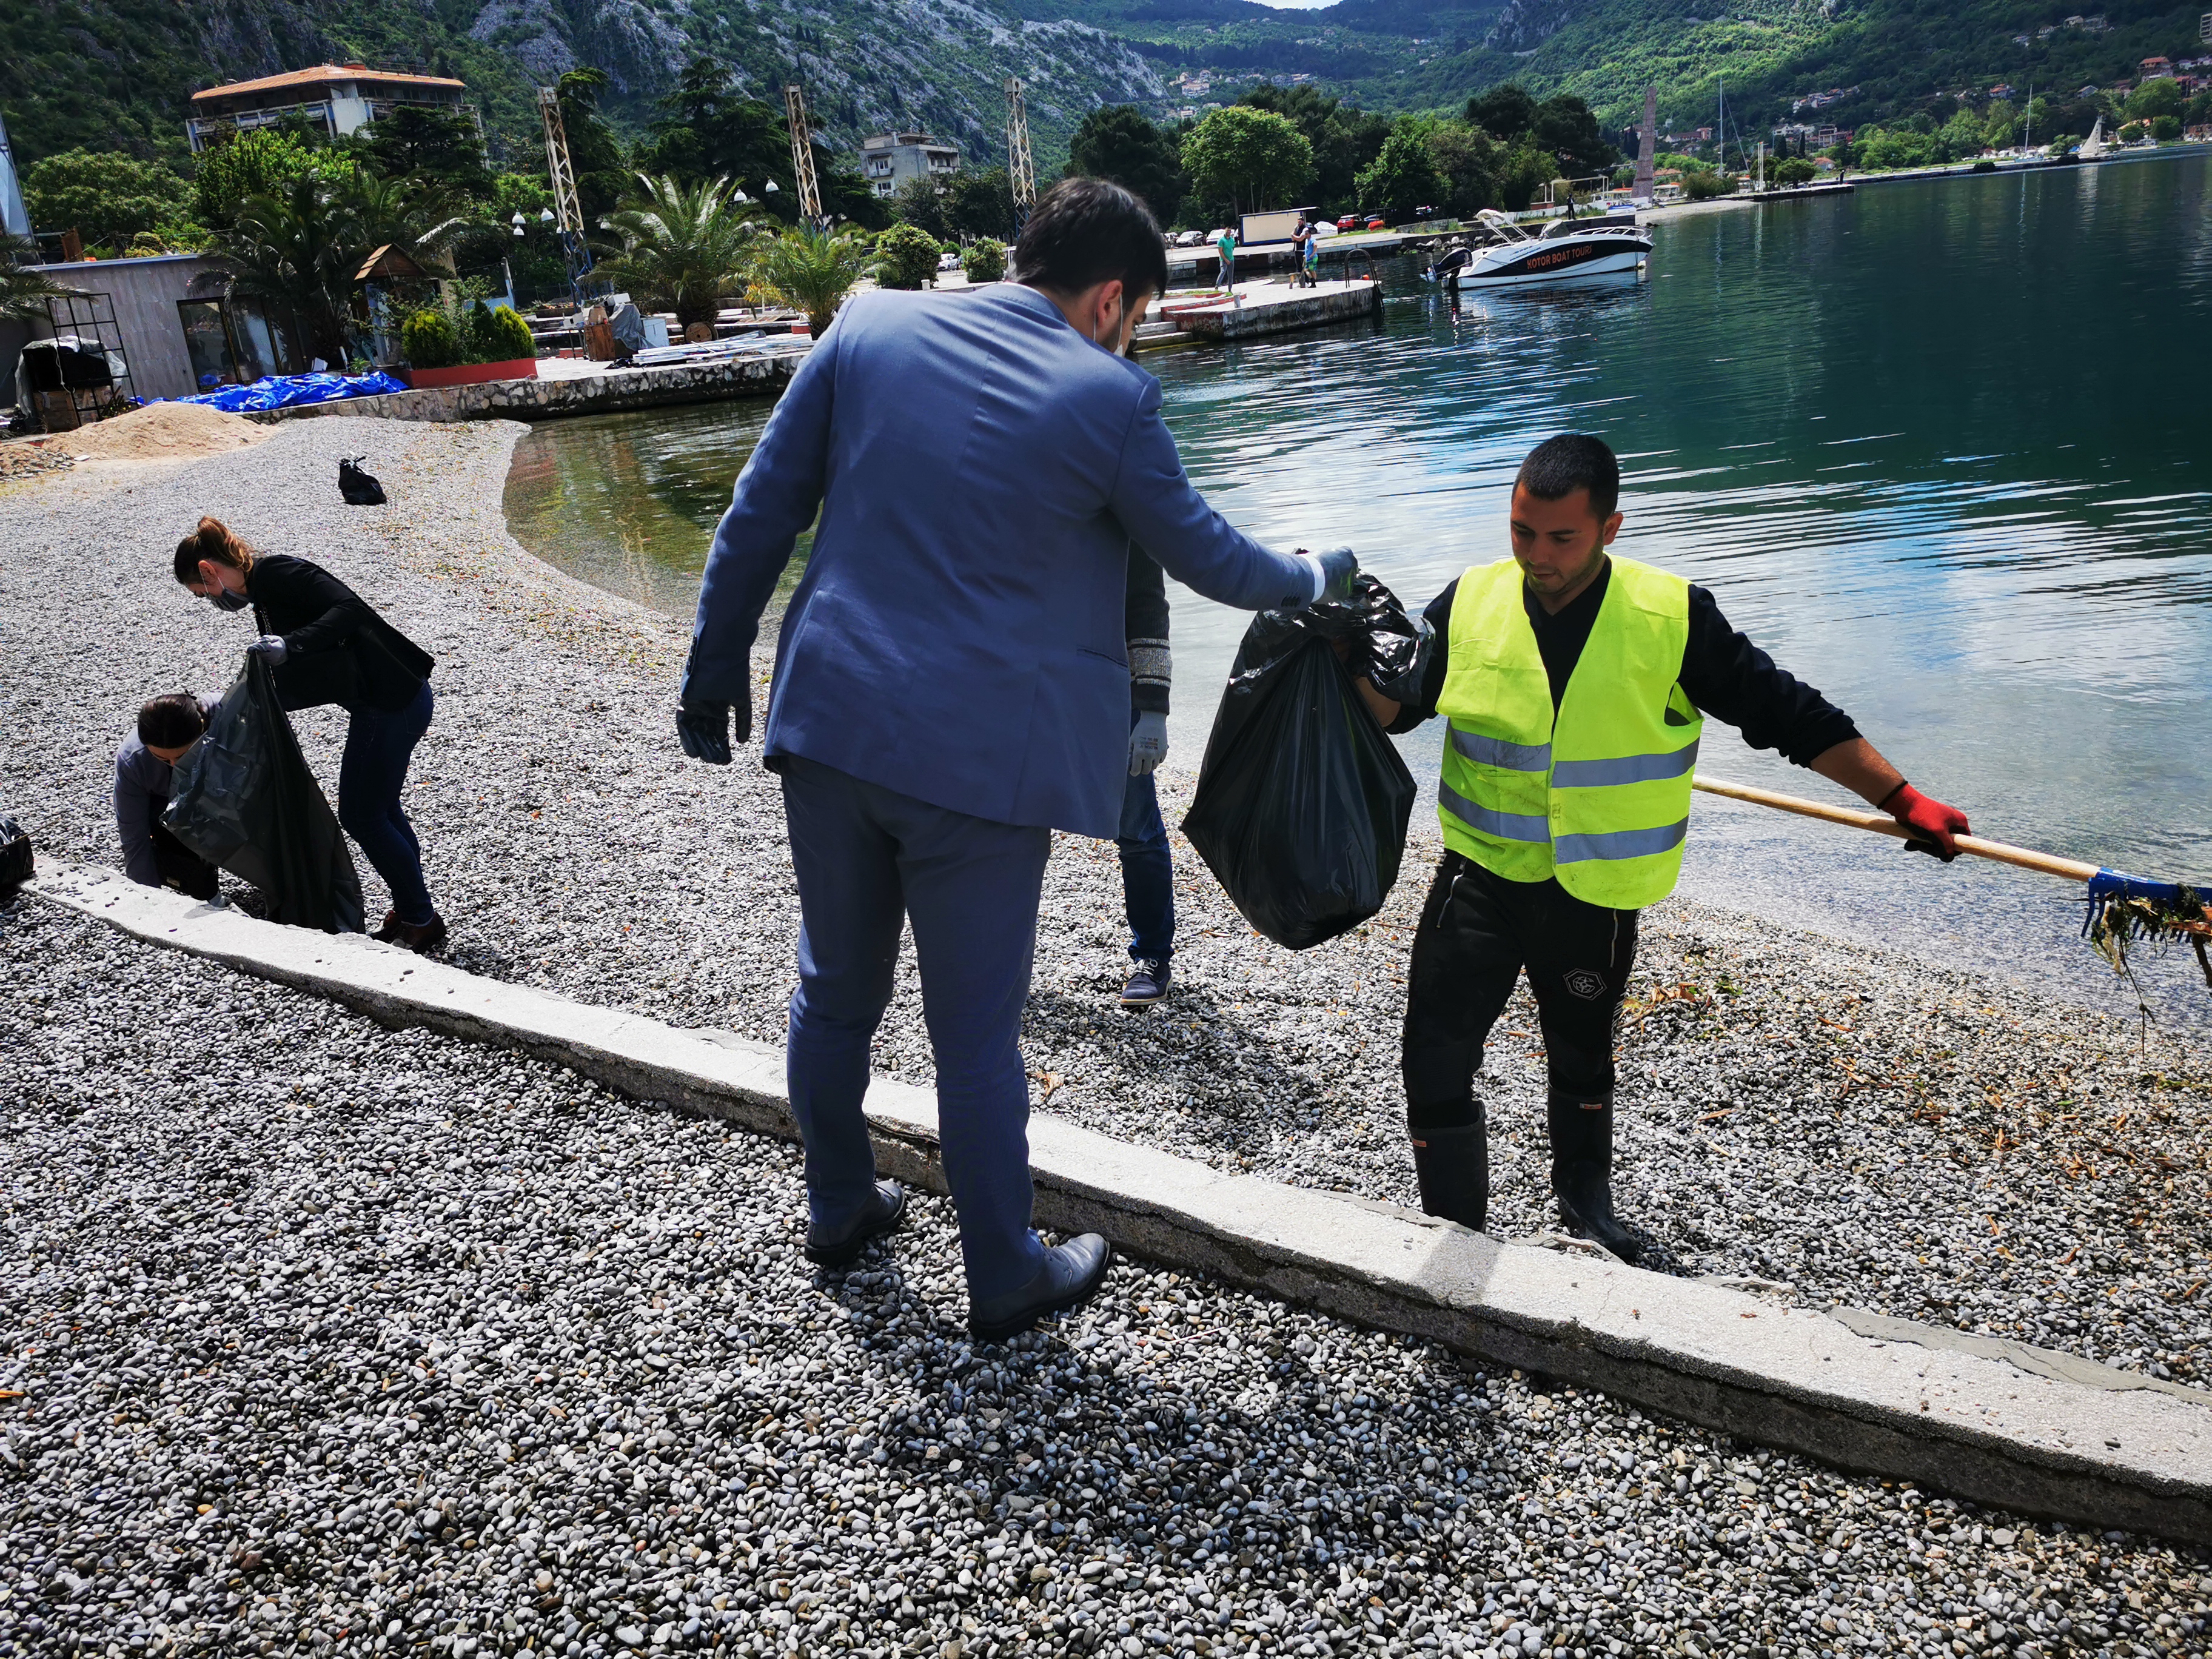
column 357, row 486
column 1303, row 801
column 243, row 798
column 16, row 863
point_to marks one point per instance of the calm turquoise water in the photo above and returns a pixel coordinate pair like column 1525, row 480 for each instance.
column 1940, row 447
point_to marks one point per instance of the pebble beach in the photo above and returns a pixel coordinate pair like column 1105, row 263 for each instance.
column 316, row 1337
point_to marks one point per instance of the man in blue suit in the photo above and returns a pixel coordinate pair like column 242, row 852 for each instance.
column 952, row 686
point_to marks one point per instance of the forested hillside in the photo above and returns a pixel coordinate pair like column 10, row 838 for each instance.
column 103, row 74
column 119, row 73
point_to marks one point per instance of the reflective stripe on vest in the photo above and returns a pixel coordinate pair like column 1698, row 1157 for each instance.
column 1597, row 794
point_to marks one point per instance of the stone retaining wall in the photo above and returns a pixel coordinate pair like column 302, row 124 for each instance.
column 762, row 376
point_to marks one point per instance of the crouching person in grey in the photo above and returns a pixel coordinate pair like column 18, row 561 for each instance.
column 144, row 771
column 952, row 686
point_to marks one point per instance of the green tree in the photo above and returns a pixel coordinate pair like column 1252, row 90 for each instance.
column 985, row 261
column 1526, row 171
column 1470, row 160
column 259, row 163
column 602, row 176
column 426, row 147
column 1505, row 112
column 681, row 246
column 1564, row 128
column 1963, row 134
column 980, row 203
column 2130, row 131
column 534, row 257
column 1404, row 176
column 814, row 272
column 2000, row 126
column 1251, row 157
column 847, row 195
column 297, row 252
column 2165, row 128
column 105, row 195
column 1706, row 183
column 919, row 203
column 1117, row 142
column 1345, row 139
column 906, row 256
column 1793, row 172
column 709, row 130
column 2153, row 99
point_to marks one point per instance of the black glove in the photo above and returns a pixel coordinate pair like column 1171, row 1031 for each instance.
column 705, row 729
column 1338, row 566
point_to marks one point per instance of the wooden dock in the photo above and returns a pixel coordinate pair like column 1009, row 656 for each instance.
column 1257, row 308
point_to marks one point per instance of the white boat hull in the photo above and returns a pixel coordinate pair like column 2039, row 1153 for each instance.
column 1539, row 262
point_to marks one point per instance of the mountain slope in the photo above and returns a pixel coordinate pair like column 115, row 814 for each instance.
column 120, row 73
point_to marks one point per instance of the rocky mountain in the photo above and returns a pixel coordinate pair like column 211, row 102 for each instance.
column 120, row 73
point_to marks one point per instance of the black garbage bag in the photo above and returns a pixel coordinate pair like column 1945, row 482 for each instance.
column 16, row 864
column 357, row 486
column 1303, row 801
column 244, row 798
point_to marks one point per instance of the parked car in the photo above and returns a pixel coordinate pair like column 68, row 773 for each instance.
column 1191, row 239
column 948, row 262
column 1350, row 222
column 1324, row 228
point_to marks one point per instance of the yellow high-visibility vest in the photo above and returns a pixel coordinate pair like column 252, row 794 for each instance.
column 1599, row 795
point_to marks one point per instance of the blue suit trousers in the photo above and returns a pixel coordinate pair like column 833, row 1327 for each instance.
column 867, row 858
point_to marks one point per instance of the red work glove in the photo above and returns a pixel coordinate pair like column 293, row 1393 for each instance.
column 1935, row 826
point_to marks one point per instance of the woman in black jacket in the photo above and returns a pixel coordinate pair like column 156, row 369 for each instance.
column 325, row 645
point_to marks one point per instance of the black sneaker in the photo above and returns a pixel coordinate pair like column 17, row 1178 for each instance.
column 1147, row 984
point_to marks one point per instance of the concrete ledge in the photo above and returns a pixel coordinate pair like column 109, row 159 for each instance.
column 1279, row 311
column 764, row 375
column 2033, row 1432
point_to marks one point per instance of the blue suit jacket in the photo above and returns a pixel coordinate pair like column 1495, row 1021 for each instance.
column 981, row 469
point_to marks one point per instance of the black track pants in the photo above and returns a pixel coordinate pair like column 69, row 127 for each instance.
column 1477, row 932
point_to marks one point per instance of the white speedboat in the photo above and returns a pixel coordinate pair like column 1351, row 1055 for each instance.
column 1503, row 255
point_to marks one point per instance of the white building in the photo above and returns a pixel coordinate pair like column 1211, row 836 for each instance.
column 890, row 159
column 340, row 97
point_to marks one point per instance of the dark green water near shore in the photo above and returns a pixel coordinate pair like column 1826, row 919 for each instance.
column 1939, row 447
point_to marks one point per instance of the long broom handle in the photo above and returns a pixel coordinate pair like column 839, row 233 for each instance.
column 1882, row 823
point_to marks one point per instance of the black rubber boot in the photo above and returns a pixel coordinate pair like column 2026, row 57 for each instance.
column 1453, row 1167
column 1582, row 1173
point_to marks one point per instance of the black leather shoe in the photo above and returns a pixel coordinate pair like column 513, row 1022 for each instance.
column 1581, row 1175
column 1070, row 1277
column 841, row 1247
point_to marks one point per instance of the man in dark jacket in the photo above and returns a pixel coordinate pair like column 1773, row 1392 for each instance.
column 1147, row 867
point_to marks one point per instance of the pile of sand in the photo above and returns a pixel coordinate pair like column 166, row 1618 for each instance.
column 163, row 431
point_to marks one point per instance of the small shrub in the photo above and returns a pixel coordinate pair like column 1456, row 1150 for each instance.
column 2132, row 131
column 428, row 340
column 906, row 257
column 507, row 337
column 2166, row 128
column 1704, row 185
column 985, row 261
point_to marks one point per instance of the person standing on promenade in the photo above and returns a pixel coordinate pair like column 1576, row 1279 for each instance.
column 1577, row 684
column 1226, row 247
column 325, row 644
column 1147, row 866
column 950, row 686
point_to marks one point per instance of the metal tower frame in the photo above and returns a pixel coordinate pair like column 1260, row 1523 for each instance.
column 802, row 155
column 568, row 209
column 1020, row 167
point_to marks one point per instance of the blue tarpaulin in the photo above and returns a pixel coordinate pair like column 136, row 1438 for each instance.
column 283, row 390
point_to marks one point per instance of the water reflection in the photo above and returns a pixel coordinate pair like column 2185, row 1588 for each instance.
column 1918, row 439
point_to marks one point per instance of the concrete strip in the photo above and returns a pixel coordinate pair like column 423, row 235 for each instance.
column 763, row 375
column 1999, row 1423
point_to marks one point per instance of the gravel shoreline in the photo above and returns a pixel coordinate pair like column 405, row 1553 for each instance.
column 1852, row 1126
column 317, row 1338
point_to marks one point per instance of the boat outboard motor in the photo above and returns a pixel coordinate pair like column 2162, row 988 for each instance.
column 1447, row 268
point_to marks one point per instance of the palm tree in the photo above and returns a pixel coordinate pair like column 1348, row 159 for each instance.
column 422, row 221
column 299, row 250
column 813, row 271
column 681, row 246
column 24, row 292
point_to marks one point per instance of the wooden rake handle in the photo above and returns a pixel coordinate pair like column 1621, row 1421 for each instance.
column 1882, row 824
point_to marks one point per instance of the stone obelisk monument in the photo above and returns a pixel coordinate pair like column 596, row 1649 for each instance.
column 1647, row 153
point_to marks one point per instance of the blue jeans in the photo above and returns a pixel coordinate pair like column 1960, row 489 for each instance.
column 1147, row 873
column 867, row 858
column 379, row 744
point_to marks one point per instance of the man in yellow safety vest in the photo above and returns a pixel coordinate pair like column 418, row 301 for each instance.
column 1577, row 684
